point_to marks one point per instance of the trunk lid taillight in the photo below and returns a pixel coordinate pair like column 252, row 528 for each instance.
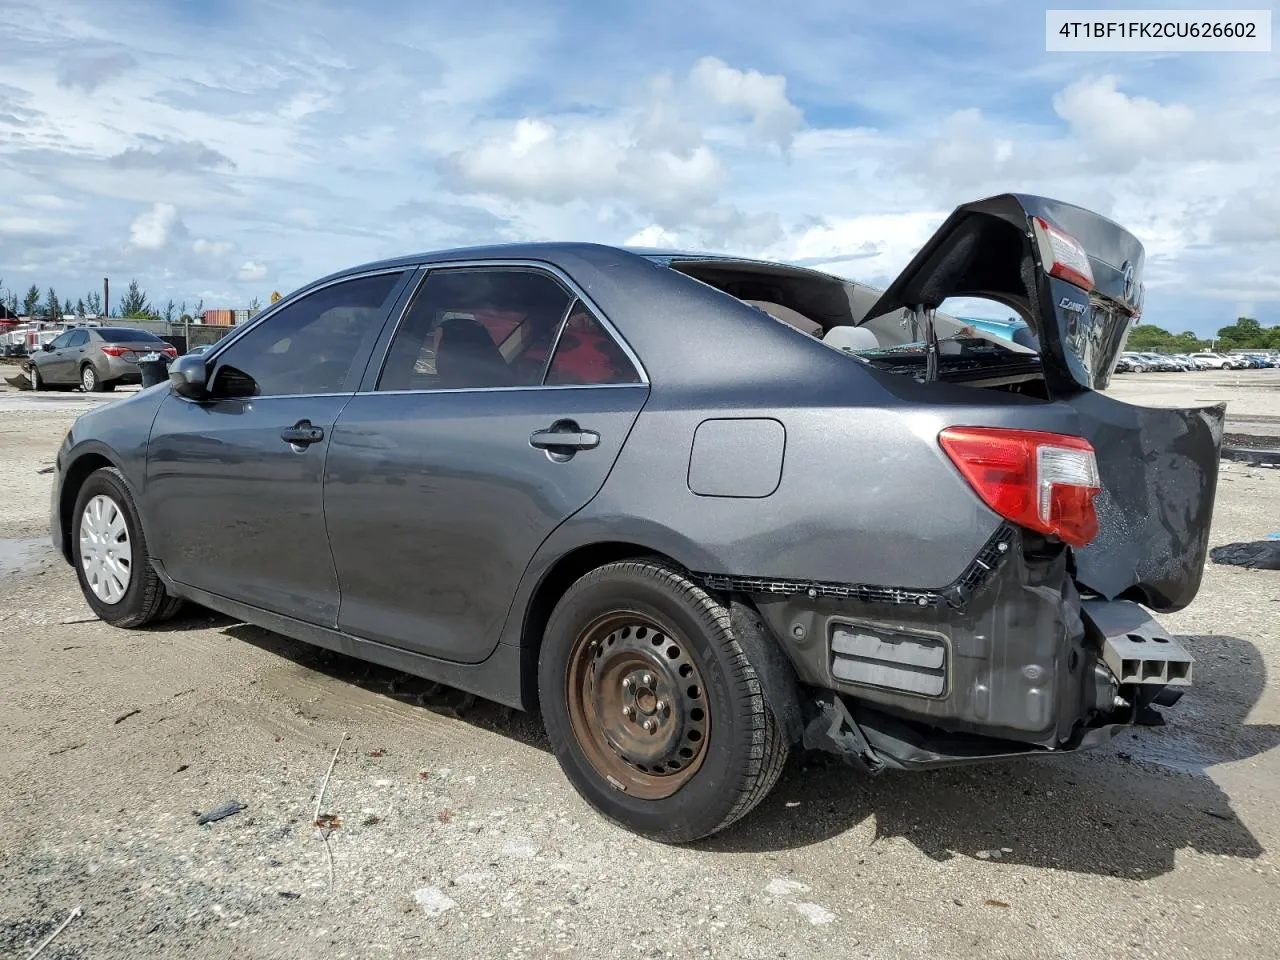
column 113, row 350
column 1043, row 481
column 1063, row 255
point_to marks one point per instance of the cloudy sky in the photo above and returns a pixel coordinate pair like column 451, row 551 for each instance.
column 225, row 148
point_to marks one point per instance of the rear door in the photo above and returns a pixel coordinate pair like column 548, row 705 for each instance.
column 467, row 449
column 234, row 481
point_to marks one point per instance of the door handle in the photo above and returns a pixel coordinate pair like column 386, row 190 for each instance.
column 302, row 434
column 564, row 436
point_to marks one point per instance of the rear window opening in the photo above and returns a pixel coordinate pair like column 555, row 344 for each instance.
column 972, row 350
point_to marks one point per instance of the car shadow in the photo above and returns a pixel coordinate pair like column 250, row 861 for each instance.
column 1124, row 809
column 431, row 696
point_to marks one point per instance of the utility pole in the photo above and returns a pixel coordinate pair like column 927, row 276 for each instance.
column 106, row 297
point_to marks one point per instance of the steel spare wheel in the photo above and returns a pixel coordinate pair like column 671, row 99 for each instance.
column 637, row 705
column 106, row 554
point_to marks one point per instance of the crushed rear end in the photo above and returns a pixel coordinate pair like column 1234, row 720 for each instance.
column 1047, row 643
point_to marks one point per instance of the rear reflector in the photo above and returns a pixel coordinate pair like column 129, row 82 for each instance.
column 1062, row 255
column 1042, row 481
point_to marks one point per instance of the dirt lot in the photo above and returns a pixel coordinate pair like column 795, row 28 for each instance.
column 460, row 837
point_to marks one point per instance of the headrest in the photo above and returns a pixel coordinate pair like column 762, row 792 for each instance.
column 851, row 338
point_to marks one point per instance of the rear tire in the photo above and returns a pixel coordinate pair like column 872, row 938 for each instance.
column 112, row 562
column 90, row 382
column 625, row 641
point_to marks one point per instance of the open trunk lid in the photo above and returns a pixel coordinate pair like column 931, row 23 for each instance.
column 1000, row 249
column 1158, row 466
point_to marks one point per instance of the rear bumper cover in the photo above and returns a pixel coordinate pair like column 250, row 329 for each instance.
column 1022, row 666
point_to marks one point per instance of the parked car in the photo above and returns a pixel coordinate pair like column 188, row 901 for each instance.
column 1212, row 360
column 627, row 486
column 94, row 358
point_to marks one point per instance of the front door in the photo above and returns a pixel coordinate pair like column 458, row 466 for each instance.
column 234, row 481
column 443, row 481
column 56, row 365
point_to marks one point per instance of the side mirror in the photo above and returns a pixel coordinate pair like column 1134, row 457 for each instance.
column 187, row 376
column 47, row 345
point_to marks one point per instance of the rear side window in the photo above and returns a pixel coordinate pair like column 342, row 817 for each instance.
column 310, row 346
column 126, row 335
column 587, row 354
column 476, row 328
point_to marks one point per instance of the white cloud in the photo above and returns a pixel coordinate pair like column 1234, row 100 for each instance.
column 251, row 272
column 211, row 248
column 535, row 160
column 655, row 157
column 652, row 236
column 35, row 226
column 763, row 98
column 154, row 228
column 1121, row 127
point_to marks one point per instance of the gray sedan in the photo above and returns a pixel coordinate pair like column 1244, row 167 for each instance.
column 700, row 510
column 94, row 358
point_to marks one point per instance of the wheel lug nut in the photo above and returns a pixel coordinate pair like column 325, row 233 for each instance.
column 661, row 705
column 628, row 712
column 648, row 726
column 647, row 679
column 627, row 683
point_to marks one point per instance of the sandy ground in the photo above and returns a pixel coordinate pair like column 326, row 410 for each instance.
column 461, row 838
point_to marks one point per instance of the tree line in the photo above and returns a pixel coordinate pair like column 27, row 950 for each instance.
column 134, row 305
column 1245, row 334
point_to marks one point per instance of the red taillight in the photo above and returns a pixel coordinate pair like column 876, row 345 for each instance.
column 170, row 351
column 1062, row 255
column 111, row 350
column 1042, row 481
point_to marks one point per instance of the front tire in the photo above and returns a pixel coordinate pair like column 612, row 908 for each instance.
column 652, row 707
column 37, row 382
column 90, row 382
column 111, row 558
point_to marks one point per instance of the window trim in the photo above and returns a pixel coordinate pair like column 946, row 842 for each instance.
column 576, row 293
column 210, row 358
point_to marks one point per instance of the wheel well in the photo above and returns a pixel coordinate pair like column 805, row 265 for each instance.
column 562, row 575
column 77, row 473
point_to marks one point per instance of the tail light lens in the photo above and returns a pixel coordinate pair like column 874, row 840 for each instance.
column 1063, row 255
column 170, row 351
column 1042, row 481
column 111, row 350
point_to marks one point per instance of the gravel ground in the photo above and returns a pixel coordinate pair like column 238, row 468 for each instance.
column 459, row 836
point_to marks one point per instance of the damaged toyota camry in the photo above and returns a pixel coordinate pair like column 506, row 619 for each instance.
column 698, row 510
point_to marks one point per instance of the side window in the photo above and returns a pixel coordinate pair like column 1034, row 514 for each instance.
column 61, row 340
column 78, row 338
column 309, row 346
column 587, row 354
column 471, row 328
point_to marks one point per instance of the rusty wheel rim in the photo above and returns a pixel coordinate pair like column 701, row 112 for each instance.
column 637, row 705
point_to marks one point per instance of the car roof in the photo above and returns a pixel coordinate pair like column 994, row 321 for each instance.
column 651, row 306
